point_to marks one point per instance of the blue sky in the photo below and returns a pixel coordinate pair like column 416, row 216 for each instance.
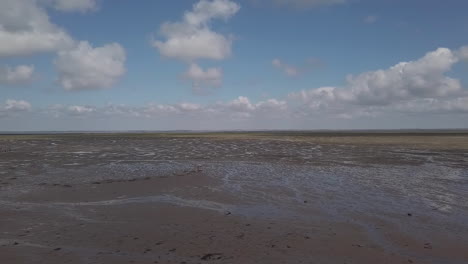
column 222, row 64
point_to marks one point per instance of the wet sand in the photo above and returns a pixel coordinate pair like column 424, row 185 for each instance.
column 234, row 198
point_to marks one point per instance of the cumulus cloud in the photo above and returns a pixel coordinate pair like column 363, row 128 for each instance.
column 17, row 75
column 87, row 68
column 25, row 29
column 415, row 86
column 211, row 78
column 193, row 38
column 422, row 78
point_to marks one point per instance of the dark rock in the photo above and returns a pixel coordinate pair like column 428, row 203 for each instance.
column 211, row 256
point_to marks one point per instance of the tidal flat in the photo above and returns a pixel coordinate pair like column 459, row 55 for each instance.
column 235, row 197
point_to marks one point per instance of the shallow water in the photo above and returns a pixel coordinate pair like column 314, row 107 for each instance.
column 339, row 179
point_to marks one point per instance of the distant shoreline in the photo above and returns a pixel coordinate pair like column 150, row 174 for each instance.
column 292, row 132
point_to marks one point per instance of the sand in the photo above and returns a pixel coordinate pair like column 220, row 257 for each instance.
column 121, row 198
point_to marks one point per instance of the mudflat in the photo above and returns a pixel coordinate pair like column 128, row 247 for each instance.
column 263, row 197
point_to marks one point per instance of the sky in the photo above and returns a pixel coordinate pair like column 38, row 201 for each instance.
column 68, row 65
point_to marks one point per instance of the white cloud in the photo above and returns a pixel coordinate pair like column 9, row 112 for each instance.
column 191, row 44
column 416, row 86
column 13, row 107
column 73, row 5
column 240, row 107
column 17, row 105
column 192, row 38
column 423, row 78
column 205, row 10
column 87, row 68
column 25, row 29
column 80, row 110
column 211, row 77
column 243, row 104
column 16, row 75
column 371, row 19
